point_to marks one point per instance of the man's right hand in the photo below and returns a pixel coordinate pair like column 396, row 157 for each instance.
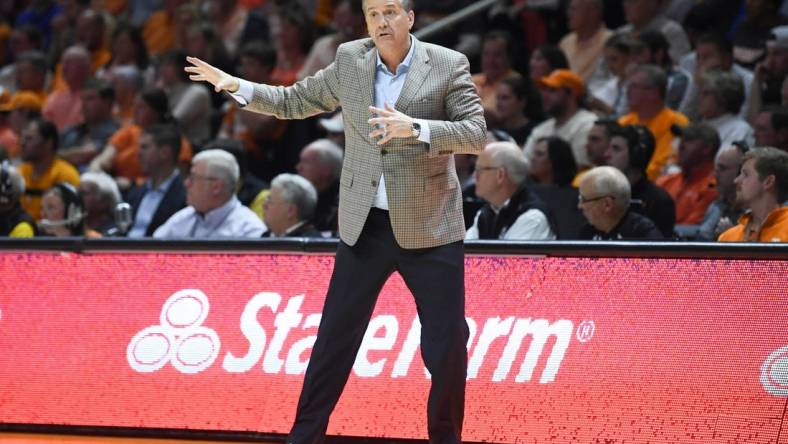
column 220, row 80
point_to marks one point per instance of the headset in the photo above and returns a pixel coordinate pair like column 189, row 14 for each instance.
column 75, row 209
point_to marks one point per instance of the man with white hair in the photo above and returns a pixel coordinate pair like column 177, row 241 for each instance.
column 100, row 195
column 604, row 197
column 213, row 211
column 511, row 210
column 290, row 206
column 320, row 163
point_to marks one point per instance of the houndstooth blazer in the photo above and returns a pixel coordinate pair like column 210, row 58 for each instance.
column 424, row 196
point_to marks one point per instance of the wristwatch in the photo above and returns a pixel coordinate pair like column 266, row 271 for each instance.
column 415, row 129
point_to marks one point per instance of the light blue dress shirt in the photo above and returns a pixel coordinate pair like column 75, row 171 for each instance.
column 230, row 220
column 149, row 204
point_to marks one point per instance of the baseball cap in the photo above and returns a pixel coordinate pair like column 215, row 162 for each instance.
column 563, row 78
column 24, row 100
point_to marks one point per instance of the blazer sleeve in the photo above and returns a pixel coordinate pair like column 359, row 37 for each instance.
column 313, row 95
column 464, row 131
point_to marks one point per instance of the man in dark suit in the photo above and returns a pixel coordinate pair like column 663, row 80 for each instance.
column 408, row 107
column 163, row 194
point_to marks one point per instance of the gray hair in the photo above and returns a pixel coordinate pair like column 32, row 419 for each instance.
column 330, row 154
column 727, row 89
column 511, row 158
column 609, row 181
column 221, row 165
column 297, row 191
column 655, row 76
column 107, row 187
column 17, row 181
column 407, row 5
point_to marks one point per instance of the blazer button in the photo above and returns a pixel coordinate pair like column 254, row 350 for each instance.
column 374, row 183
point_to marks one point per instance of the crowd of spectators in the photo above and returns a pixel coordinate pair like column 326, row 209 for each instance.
column 607, row 119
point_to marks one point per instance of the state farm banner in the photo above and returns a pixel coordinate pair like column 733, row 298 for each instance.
column 561, row 349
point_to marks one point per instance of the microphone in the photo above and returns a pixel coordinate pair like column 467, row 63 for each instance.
column 123, row 217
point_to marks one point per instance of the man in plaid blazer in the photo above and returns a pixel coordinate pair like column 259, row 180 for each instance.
column 408, row 106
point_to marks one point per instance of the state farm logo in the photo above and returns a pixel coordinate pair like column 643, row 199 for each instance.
column 774, row 372
column 516, row 346
column 179, row 339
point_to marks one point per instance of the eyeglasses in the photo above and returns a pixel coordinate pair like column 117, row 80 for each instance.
column 583, row 200
column 195, row 176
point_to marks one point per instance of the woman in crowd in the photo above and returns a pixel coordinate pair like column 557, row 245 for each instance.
column 519, row 107
column 552, row 162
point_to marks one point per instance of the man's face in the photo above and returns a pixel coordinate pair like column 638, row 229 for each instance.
column 32, row 145
column 591, row 205
column 488, row 175
column 388, row 24
column 94, row 108
column 748, row 185
column 506, row 102
column 27, row 77
column 640, row 93
column 640, row 12
column 579, row 13
column 616, row 61
column 495, row 60
column 707, row 105
column 311, row 168
column 777, row 61
column 764, row 133
column 726, row 168
column 555, row 100
column 597, row 144
column 692, row 153
column 277, row 213
column 617, row 154
column 201, row 187
column 710, row 57
column 149, row 155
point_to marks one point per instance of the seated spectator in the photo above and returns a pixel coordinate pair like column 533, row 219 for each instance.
column 14, row 220
column 127, row 82
column 100, row 195
column 23, row 38
column 19, row 110
column 496, row 66
column 519, row 108
column 230, row 18
column 41, row 167
column 291, row 36
column 609, row 97
column 81, row 143
column 213, row 211
column 544, row 60
column 321, row 164
column 249, row 185
column 724, row 212
column 31, row 73
column 770, row 127
column 64, row 106
column 646, row 96
column 289, row 207
column 562, row 92
column 163, row 194
column 348, row 24
column 511, row 211
column 552, row 162
column 753, row 30
column 693, row 189
column 770, row 73
column 604, row 199
column 128, row 51
column 583, row 46
column 189, row 102
column 655, row 52
column 762, row 188
column 643, row 15
column 629, row 150
column 721, row 97
column 90, row 33
column 62, row 213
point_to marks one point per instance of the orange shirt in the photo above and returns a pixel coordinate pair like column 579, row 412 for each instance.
column 60, row 171
column 127, row 144
column 774, row 228
column 692, row 196
column 664, row 155
column 159, row 32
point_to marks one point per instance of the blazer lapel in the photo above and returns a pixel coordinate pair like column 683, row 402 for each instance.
column 419, row 70
column 365, row 67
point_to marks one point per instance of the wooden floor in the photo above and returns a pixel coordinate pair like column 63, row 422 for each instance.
column 31, row 438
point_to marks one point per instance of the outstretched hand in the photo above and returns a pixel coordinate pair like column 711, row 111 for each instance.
column 390, row 123
column 202, row 71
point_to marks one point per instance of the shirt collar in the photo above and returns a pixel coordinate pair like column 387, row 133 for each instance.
column 219, row 214
column 402, row 67
column 162, row 188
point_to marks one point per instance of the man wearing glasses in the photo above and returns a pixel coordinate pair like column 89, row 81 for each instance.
column 604, row 196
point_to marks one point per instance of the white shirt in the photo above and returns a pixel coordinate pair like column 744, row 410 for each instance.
column 531, row 225
column 575, row 131
column 731, row 129
column 230, row 220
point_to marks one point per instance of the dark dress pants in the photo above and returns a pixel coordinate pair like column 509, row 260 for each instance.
column 435, row 276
